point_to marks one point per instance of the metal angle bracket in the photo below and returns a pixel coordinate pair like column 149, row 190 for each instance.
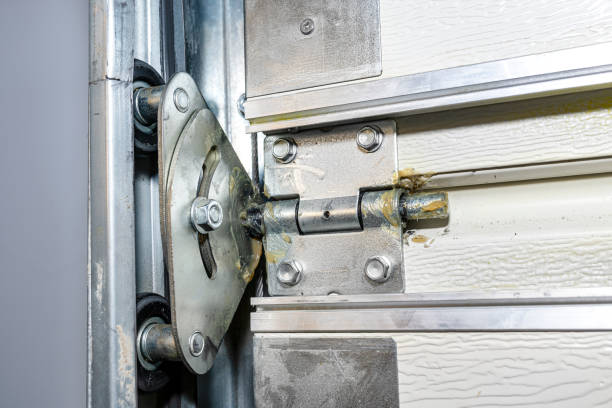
column 333, row 222
column 208, row 269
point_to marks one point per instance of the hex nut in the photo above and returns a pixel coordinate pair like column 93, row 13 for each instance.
column 284, row 150
column 206, row 215
column 378, row 269
column 196, row 344
column 289, row 273
column 181, row 100
column 369, row 139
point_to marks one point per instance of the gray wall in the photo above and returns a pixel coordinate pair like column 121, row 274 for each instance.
column 43, row 205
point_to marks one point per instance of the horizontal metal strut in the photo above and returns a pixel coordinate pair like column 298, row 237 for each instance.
column 533, row 76
column 558, row 310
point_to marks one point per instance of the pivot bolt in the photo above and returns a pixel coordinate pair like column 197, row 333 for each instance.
column 369, row 139
column 289, row 273
column 284, row 150
column 181, row 100
column 206, row 215
column 196, row 344
column 378, row 269
column 307, row 26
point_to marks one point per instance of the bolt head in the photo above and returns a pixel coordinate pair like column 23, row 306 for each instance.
column 240, row 104
column 196, row 344
column 378, row 269
column 369, row 139
column 307, row 26
column 289, row 273
column 206, row 215
column 284, row 150
column 181, row 100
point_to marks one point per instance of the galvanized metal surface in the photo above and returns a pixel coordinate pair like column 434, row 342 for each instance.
column 111, row 329
column 466, row 298
column 203, row 300
column 171, row 122
column 292, row 44
column 559, row 309
column 552, row 73
column 329, row 163
column 148, row 38
column 325, row 372
column 576, row 317
column 214, row 56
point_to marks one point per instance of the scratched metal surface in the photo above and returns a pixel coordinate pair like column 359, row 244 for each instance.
column 325, row 372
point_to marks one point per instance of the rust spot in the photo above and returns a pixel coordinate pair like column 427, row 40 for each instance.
column 126, row 367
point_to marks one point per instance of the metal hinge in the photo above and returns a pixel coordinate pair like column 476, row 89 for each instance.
column 334, row 218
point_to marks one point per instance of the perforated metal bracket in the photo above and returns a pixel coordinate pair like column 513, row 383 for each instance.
column 333, row 224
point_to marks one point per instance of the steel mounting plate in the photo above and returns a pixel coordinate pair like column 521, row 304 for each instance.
column 342, row 43
column 171, row 122
column 205, row 300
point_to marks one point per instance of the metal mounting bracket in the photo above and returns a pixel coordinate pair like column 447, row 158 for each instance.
column 207, row 272
column 335, row 226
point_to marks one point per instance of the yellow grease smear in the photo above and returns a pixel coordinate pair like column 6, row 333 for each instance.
column 420, row 239
column 434, row 205
column 403, row 173
column 286, row 238
column 387, row 207
column 409, row 179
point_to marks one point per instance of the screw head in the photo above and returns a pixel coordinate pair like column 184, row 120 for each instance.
column 378, row 269
column 206, row 215
column 369, row 139
column 289, row 273
column 284, row 150
column 181, row 100
column 196, row 344
column 307, row 26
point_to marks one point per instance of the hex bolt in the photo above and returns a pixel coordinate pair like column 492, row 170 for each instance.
column 240, row 104
column 307, row 26
column 289, row 273
column 181, row 100
column 378, row 269
column 369, row 139
column 196, row 344
column 206, row 215
column 284, row 150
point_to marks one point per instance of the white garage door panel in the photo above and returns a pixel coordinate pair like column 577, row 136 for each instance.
column 504, row 369
column 552, row 129
column 425, row 35
column 529, row 235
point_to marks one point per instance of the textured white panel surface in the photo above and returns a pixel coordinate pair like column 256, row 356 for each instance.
column 425, row 35
column 536, row 131
column 529, row 235
column 461, row 370
column 468, row 370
